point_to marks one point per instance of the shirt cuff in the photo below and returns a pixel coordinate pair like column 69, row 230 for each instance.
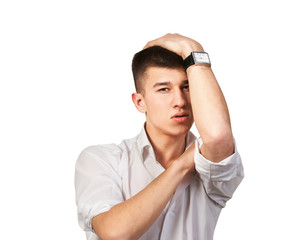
column 85, row 216
column 224, row 170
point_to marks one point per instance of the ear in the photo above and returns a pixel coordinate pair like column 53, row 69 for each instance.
column 139, row 102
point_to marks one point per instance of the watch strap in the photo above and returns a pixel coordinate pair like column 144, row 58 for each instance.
column 188, row 61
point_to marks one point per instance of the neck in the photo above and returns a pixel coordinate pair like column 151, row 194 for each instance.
column 167, row 148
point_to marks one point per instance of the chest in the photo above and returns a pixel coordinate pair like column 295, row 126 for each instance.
column 138, row 172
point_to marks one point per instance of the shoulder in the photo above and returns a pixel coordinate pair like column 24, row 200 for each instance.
column 100, row 155
column 105, row 154
column 101, row 150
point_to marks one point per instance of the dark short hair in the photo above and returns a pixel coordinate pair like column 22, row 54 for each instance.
column 153, row 57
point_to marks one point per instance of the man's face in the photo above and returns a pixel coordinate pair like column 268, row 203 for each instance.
column 167, row 101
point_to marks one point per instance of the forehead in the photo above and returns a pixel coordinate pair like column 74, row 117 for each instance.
column 156, row 75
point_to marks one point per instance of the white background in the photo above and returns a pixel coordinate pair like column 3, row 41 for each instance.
column 66, row 84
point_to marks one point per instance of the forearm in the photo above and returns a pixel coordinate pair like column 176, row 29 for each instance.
column 132, row 218
column 209, row 107
column 210, row 113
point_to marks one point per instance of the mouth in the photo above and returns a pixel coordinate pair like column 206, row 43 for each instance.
column 180, row 117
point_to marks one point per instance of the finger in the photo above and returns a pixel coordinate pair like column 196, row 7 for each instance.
column 147, row 45
column 156, row 42
column 152, row 43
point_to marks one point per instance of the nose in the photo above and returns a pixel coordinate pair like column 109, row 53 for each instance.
column 179, row 98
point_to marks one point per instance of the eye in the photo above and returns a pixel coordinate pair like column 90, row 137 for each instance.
column 163, row 89
column 185, row 87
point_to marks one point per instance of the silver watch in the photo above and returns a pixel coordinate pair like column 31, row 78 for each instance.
column 197, row 58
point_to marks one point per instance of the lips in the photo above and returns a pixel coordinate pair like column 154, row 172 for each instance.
column 180, row 117
column 183, row 114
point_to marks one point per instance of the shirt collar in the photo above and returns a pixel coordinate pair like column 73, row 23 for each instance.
column 190, row 139
column 143, row 142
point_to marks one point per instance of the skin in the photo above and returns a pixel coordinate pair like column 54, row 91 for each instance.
column 165, row 95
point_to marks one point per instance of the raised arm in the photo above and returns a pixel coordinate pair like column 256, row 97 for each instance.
column 208, row 103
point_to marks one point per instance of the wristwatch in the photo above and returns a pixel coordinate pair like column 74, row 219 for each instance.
column 197, row 58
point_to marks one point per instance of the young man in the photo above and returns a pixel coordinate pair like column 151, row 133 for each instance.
column 164, row 183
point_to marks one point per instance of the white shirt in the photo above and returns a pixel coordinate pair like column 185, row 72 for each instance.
column 110, row 174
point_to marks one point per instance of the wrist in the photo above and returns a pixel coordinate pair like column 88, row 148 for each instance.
column 194, row 68
column 181, row 166
column 186, row 161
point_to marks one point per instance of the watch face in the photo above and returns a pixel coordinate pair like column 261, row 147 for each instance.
column 201, row 57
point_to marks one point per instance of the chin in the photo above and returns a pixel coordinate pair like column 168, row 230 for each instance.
column 179, row 130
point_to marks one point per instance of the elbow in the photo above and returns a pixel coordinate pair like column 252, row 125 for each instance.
column 219, row 143
column 112, row 235
column 107, row 231
column 219, row 136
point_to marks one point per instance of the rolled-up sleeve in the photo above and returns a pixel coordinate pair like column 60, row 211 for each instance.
column 97, row 184
column 220, row 179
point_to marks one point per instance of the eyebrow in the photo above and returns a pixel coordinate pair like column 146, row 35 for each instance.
column 161, row 84
column 168, row 83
